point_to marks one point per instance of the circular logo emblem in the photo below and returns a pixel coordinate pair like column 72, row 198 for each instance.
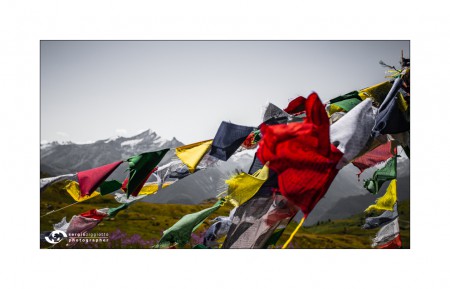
column 55, row 237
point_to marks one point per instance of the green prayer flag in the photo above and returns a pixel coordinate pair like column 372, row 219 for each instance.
column 388, row 172
column 348, row 104
column 348, row 96
column 181, row 231
column 108, row 187
column 114, row 211
column 140, row 168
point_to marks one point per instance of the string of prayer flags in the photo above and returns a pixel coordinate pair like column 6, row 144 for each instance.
column 91, row 179
column 373, row 157
column 384, row 218
column 387, row 201
column 301, row 155
column 243, row 186
column 386, row 173
column 73, row 189
column 181, row 231
column 386, row 234
column 192, row 154
column 352, row 132
column 141, row 167
column 46, row 182
column 228, row 139
column 390, row 118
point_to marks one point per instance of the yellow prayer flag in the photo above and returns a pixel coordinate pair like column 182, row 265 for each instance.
column 401, row 102
column 243, row 186
column 73, row 188
column 192, row 154
column 152, row 188
column 377, row 92
column 334, row 108
column 386, row 202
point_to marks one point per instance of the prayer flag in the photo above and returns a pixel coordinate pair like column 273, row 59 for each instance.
column 301, row 155
column 141, row 167
column 73, row 189
column 181, row 231
column 373, row 157
column 228, row 139
column 46, row 182
column 384, row 218
column 90, row 180
column 386, row 234
column 388, row 172
column 352, row 132
column 192, row 154
column 243, row 186
column 387, row 201
column 390, row 118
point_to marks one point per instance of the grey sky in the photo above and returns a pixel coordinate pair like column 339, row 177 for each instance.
column 93, row 90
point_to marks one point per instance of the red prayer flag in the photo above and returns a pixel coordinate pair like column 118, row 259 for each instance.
column 94, row 214
column 296, row 106
column 91, row 179
column 394, row 244
column 380, row 154
column 301, row 155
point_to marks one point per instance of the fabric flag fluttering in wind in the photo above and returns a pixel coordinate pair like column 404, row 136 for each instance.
column 396, row 243
column 192, row 154
column 351, row 133
column 384, row 218
column 296, row 105
column 301, row 155
column 388, row 172
column 181, row 231
column 218, row 230
column 272, row 112
column 387, row 233
column 141, row 167
column 228, row 139
column 373, row 157
column 390, row 118
column 348, row 96
column 243, row 186
column 110, row 186
column 90, row 180
column 345, row 105
column 73, row 189
column 256, row 220
column 95, row 214
column 46, row 182
column 377, row 92
column 387, row 201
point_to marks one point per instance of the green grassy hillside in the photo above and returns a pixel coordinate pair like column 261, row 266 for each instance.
column 142, row 224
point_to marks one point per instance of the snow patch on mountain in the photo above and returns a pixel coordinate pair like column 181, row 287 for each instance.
column 131, row 143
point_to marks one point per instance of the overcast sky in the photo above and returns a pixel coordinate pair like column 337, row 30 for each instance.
column 93, row 90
